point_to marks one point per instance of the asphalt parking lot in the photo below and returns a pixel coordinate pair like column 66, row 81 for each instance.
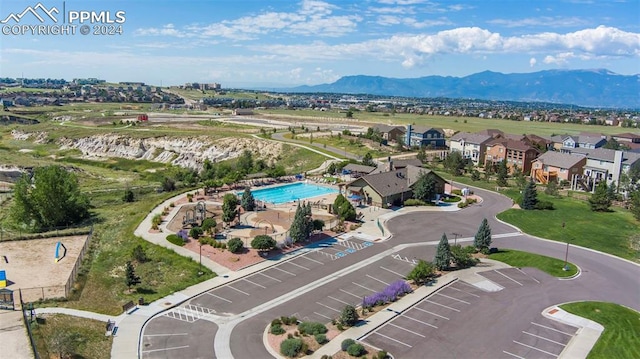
column 162, row 338
column 429, row 325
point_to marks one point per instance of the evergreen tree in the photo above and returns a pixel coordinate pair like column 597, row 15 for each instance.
column 482, row 240
column 442, row 259
column 424, row 188
column 297, row 231
column 131, row 278
column 599, row 200
column 128, row 196
column 454, row 163
column 229, row 208
column 344, row 209
column 367, row 160
column 502, row 174
column 529, row 196
column 611, row 191
column 349, row 316
column 247, row 202
column 308, row 221
column 635, row 204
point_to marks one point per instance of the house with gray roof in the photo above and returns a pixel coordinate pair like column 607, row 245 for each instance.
column 472, row 146
column 556, row 166
column 390, row 133
column 567, row 143
column 357, row 170
column 420, row 136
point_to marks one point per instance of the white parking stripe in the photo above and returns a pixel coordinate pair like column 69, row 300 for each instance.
column 426, row 311
column 219, row 297
column 164, row 335
column 419, row 321
column 395, row 340
column 442, row 305
column 555, row 330
column 520, row 270
column 446, row 296
column 396, row 273
column 363, row 287
column 460, row 290
column 506, row 276
column 328, row 307
column 405, row 329
column 270, row 277
column 338, row 300
column 159, row 350
column 236, row 289
column 534, row 348
column 256, row 284
column 513, row 355
column 543, row 338
column 374, row 278
column 282, row 270
column 297, row 265
column 313, row 260
column 344, row 291
column 322, row 315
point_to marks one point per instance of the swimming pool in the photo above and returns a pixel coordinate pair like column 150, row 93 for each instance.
column 290, row 192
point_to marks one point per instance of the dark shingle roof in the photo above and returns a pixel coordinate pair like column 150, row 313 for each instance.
column 354, row 167
column 394, row 182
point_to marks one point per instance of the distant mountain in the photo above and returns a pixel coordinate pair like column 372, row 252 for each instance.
column 589, row 88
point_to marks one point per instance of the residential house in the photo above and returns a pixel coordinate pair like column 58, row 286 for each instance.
column 606, row 164
column 424, row 136
column 516, row 153
column 392, row 187
column 630, row 140
column 557, row 166
column 472, row 146
column 567, row 143
column 390, row 133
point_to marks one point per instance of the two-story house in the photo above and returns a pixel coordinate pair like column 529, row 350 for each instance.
column 424, row 136
column 472, row 146
column 630, row 140
column 606, row 164
column 567, row 143
column 390, row 133
column 556, row 166
column 516, row 153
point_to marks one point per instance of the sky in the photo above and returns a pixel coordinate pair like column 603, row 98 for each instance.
column 261, row 43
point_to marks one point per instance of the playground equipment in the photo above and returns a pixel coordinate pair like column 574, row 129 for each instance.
column 196, row 215
column 58, row 256
column 3, row 279
column 261, row 221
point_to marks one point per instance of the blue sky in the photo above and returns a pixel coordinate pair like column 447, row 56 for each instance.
column 282, row 43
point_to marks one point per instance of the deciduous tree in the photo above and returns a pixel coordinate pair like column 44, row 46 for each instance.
column 425, row 188
column 263, row 243
column 229, row 208
column 422, row 272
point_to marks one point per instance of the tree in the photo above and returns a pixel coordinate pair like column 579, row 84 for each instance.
column 245, row 162
column 318, row 224
column 399, row 144
column 442, row 259
column 552, row 189
column 349, row 316
column 367, row 160
column 131, row 278
column 51, row 199
column 247, row 201
column 209, row 225
column 263, row 243
column 168, row 184
column 422, row 272
column 482, row 240
column 502, row 174
column 128, row 196
column 599, row 200
column 297, row 230
column 635, row 204
column 454, row 163
column 195, row 232
column 139, row 254
column 475, row 175
column 529, row 196
column 425, row 188
column 422, row 155
column 349, row 113
column 344, row 209
column 235, row 245
column 229, row 208
column 518, row 176
column 611, row 191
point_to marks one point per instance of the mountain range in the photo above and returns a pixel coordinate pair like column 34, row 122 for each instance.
column 589, row 88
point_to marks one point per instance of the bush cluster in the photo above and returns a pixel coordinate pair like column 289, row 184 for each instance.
column 389, row 294
column 414, row 202
column 175, row 239
column 291, row 347
column 312, row 328
column 276, row 329
column 235, row 245
column 542, row 205
column 346, row 344
column 356, row 350
column 321, row 338
column 466, row 203
column 288, row 320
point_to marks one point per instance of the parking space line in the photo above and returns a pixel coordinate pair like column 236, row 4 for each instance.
column 396, row 273
column 419, row 321
column 534, row 348
column 256, row 284
column 363, row 287
column 159, row 350
column 506, row 276
column 405, row 329
column 270, row 277
column 236, row 289
column 543, row 338
column 338, row 300
column 459, row 300
column 282, row 270
column 297, row 265
column 469, row 285
column 322, row 315
column 164, row 335
column 313, row 260
column 213, row 295
column 555, row 330
column 442, row 305
column 520, row 270
column 513, row 355
column 426, row 311
column 395, row 340
column 460, row 290
column 328, row 307
column 374, row 278
column 344, row 291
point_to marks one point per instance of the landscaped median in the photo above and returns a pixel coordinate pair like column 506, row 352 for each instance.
column 552, row 266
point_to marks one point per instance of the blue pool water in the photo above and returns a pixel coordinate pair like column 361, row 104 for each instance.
column 290, row 192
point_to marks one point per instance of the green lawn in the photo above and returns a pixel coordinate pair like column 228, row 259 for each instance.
column 552, row 266
column 349, row 144
column 621, row 336
column 90, row 341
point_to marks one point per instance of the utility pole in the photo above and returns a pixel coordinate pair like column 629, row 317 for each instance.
column 566, row 255
column 455, row 238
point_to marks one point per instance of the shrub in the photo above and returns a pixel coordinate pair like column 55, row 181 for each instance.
column 277, row 329
column 457, row 192
column 173, row 238
column 389, row 294
column 157, row 219
column 312, row 328
column 542, row 205
column 285, row 320
column 382, row 354
column 321, row 338
column 291, row 347
column 451, row 199
column 346, row 344
column 470, row 249
column 356, row 350
column 209, row 224
column 414, row 202
column 463, row 204
column 195, row 232
column 183, row 234
column 276, row 322
column 349, row 316
column 339, row 327
column 289, row 336
column 139, row 254
column 235, row 245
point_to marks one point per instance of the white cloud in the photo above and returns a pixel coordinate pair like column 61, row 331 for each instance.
column 532, row 62
column 547, row 21
column 390, row 20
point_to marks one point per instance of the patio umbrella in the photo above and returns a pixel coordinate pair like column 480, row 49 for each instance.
column 355, row 197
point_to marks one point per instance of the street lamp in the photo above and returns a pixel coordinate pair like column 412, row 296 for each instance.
column 200, row 270
column 455, row 238
column 566, row 255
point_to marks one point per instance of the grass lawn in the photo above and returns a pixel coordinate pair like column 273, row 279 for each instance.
column 621, row 328
column 519, row 259
column 91, row 341
column 348, row 144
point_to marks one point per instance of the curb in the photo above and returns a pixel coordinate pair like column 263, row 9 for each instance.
column 586, row 337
